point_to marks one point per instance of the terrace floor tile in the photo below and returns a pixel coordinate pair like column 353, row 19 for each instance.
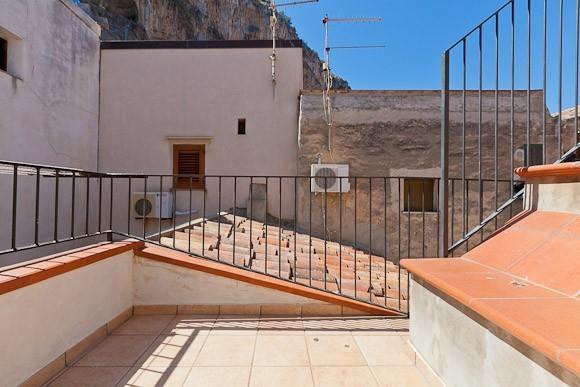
column 287, row 351
column 117, row 351
column 90, row 376
column 144, row 325
column 218, row 376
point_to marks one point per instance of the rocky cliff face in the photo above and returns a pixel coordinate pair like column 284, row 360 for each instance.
column 199, row 20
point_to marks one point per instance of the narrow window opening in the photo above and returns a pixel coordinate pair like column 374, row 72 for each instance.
column 3, row 54
column 241, row 126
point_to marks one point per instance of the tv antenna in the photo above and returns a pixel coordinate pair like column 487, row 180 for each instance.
column 326, row 69
column 273, row 25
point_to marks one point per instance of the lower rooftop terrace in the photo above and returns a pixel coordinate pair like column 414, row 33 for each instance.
column 307, row 275
column 232, row 299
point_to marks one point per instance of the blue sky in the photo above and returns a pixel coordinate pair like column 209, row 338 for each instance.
column 416, row 32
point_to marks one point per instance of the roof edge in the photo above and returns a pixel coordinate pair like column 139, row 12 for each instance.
column 195, row 44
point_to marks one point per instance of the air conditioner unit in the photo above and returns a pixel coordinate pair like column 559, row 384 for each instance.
column 152, row 205
column 329, row 178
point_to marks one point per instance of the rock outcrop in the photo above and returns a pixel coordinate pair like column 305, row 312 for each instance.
column 199, row 20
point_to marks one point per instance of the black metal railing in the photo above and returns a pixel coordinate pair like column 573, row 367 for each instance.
column 500, row 81
column 346, row 238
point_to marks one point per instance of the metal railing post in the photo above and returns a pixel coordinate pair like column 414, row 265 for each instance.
column 443, row 187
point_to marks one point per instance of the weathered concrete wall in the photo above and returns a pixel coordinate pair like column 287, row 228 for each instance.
column 397, row 134
column 48, row 106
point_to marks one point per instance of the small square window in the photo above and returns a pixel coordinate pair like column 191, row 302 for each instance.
column 419, row 195
column 3, row 54
column 241, row 126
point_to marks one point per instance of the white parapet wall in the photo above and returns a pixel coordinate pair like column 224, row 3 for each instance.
column 158, row 283
column 40, row 322
column 463, row 352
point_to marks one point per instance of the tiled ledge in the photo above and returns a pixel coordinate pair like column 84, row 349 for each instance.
column 181, row 259
column 40, row 270
column 551, row 170
column 542, row 320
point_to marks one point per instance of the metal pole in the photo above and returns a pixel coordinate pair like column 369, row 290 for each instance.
column 443, row 187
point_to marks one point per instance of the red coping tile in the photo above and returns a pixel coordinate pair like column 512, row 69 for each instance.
column 45, row 265
column 54, row 265
column 555, row 264
column 545, row 221
column 466, row 287
column 573, row 227
column 506, row 248
column 550, row 170
column 4, row 278
column 571, row 359
column 20, row 272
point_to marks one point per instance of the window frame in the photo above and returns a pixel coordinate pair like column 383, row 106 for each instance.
column 184, row 183
column 429, row 184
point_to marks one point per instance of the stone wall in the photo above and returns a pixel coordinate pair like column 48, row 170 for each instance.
column 397, row 134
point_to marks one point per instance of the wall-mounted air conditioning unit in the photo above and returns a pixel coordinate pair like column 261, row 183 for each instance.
column 329, row 178
column 153, row 205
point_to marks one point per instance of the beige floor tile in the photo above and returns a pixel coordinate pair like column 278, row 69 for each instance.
column 386, row 350
column 281, row 351
column 144, row 325
column 173, row 351
column 235, row 325
column 117, row 351
column 343, row 376
column 218, row 376
column 275, row 325
column 379, row 325
column 326, row 326
column 90, row 376
column 227, row 351
column 330, row 350
column 397, row 376
column 190, row 325
column 281, row 377
column 155, row 377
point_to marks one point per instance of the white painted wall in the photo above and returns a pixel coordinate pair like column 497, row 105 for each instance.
column 464, row 353
column 558, row 196
column 48, row 109
column 49, row 105
column 158, row 283
column 40, row 322
column 148, row 95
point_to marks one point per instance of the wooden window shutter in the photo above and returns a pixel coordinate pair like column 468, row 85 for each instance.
column 189, row 160
column 419, row 195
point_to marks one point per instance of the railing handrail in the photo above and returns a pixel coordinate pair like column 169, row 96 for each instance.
column 474, row 29
column 529, row 133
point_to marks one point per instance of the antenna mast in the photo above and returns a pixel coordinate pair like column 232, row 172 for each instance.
column 326, row 70
column 273, row 25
